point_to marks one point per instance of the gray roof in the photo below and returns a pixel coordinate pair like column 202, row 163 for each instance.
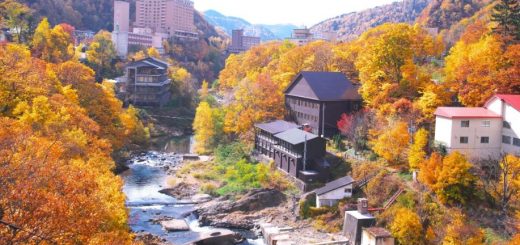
column 333, row 185
column 323, row 86
column 277, row 126
column 149, row 62
column 295, row 136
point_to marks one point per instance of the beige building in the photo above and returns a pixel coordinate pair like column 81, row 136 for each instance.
column 481, row 132
column 174, row 17
column 376, row 236
column 241, row 43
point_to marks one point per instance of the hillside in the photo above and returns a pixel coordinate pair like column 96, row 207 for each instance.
column 351, row 25
column 265, row 32
column 443, row 14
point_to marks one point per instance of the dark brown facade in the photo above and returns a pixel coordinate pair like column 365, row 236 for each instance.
column 148, row 83
column 318, row 99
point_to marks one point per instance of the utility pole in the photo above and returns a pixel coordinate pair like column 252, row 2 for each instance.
column 305, row 153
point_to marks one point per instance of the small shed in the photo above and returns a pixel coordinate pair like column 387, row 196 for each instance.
column 376, row 236
column 356, row 220
column 334, row 191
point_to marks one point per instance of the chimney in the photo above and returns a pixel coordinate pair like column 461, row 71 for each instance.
column 362, row 205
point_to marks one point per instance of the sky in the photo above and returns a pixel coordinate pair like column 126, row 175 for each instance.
column 297, row 12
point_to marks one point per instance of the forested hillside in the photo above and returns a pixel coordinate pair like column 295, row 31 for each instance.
column 351, row 25
column 443, row 14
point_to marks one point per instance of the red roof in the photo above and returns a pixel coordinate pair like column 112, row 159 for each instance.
column 465, row 112
column 511, row 99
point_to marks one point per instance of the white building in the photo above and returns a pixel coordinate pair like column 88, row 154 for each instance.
column 334, row 191
column 376, row 236
column 481, row 132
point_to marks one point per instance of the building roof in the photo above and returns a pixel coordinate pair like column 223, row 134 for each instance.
column 378, row 232
column 277, row 126
column 295, row 136
column 149, row 62
column 356, row 214
column 324, row 86
column 334, row 185
column 511, row 99
column 465, row 112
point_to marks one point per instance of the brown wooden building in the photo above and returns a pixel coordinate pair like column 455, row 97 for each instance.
column 318, row 99
column 264, row 135
column 147, row 82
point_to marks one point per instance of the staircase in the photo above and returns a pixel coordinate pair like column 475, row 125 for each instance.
column 393, row 199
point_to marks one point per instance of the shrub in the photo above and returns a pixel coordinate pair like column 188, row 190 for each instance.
column 209, row 188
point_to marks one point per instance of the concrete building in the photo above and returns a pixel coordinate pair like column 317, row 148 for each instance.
column 173, row 17
column 376, row 236
column 334, row 191
column 481, row 132
column 241, row 43
column 147, row 83
column 356, row 220
column 317, row 100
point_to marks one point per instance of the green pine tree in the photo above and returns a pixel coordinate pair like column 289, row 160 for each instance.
column 507, row 15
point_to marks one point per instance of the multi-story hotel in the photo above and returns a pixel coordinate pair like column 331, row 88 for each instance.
column 156, row 20
column 241, row 43
column 173, row 17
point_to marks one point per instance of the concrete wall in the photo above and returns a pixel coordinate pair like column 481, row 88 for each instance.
column 368, row 239
column 443, row 128
column 331, row 198
column 121, row 16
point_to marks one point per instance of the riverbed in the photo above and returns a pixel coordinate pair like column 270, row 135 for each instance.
column 143, row 180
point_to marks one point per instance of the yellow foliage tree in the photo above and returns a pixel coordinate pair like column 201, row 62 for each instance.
column 406, row 227
column 391, row 144
column 417, row 153
column 52, row 45
column 204, row 127
column 459, row 232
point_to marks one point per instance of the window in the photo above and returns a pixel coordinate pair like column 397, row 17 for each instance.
column 464, row 124
column 486, row 124
column 348, row 190
column 506, row 139
column 464, row 140
column 484, row 140
column 516, row 141
column 506, row 124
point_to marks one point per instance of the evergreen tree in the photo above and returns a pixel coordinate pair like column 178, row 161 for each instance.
column 507, row 15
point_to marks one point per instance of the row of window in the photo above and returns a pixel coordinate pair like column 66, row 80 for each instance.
column 485, row 123
column 465, row 140
column 307, row 116
column 507, row 140
column 465, row 124
column 303, row 103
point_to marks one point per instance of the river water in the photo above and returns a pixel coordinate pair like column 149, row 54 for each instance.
column 145, row 177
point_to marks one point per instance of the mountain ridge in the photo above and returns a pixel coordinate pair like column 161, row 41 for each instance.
column 265, row 32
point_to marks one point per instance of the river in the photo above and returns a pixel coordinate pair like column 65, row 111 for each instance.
column 143, row 180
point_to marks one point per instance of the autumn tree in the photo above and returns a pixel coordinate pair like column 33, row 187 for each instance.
column 52, row 45
column 388, row 64
column 502, row 177
column 406, row 227
column 204, row 127
column 417, row 151
column 391, row 144
column 450, row 178
column 345, row 123
column 101, row 54
column 460, row 231
column 17, row 16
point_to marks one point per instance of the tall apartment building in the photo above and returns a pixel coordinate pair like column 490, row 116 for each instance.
column 173, row 17
column 241, row 43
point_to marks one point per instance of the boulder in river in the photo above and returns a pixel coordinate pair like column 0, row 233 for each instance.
column 200, row 198
column 175, row 225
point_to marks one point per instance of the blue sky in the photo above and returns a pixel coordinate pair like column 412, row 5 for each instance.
column 298, row 12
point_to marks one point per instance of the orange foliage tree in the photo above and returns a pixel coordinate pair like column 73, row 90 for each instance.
column 55, row 153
